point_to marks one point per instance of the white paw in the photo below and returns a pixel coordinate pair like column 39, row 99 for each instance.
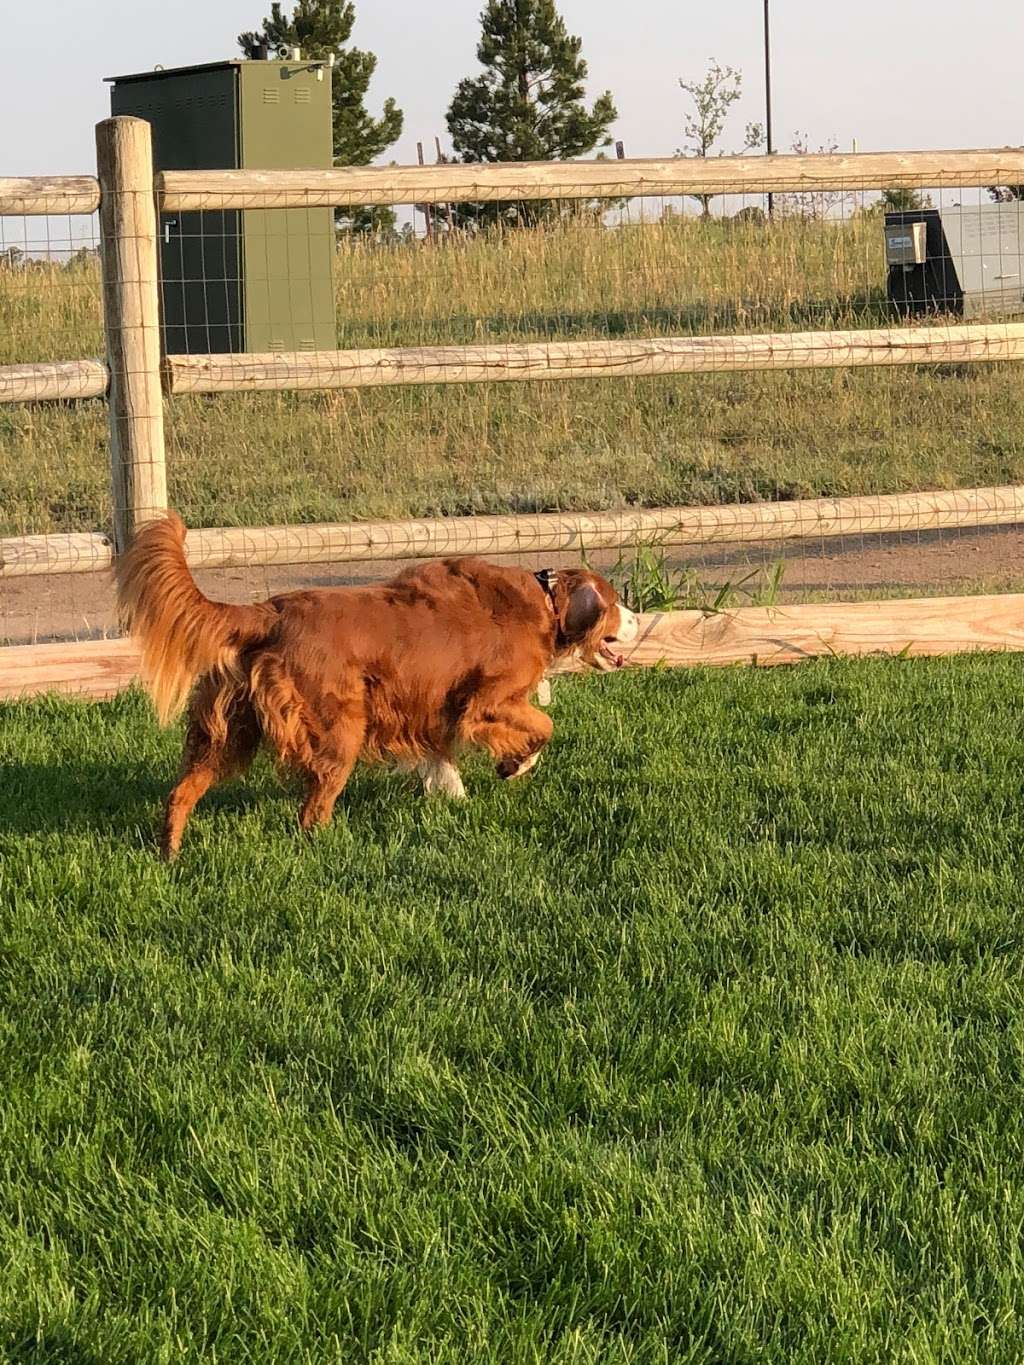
column 543, row 697
column 441, row 778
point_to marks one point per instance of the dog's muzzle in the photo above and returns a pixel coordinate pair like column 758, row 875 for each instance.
column 608, row 657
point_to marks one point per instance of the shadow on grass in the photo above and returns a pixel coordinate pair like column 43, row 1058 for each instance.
column 121, row 799
column 869, row 309
column 56, row 1346
column 114, row 798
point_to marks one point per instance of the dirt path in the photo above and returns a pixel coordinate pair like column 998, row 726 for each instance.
column 80, row 606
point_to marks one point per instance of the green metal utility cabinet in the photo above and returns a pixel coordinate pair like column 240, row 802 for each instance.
column 251, row 279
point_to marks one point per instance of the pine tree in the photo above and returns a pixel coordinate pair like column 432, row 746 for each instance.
column 528, row 105
column 320, row 27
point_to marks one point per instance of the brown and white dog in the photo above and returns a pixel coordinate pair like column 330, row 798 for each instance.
column 445, row 656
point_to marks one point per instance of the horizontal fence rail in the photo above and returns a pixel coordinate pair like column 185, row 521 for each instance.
column 542, row 533
column 180, row 191
column 581, row 532
column 592, row 359
column 913, row 627
column 53, row 380
column 22, row 195
column 94, row 669
column 55, row 553
column 374, row 368
column 750, row 635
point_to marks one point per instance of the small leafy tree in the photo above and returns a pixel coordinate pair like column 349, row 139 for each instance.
column 813, row 204
column 712, row 98
column 1006, row 194
column 528, row 105
column 85, row 257
column 320, row 28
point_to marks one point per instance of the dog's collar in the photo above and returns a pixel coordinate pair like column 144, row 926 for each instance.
column 548, row 579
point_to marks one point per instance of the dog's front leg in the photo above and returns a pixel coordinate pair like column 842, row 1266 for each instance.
column 514, row 732
column 441, row 778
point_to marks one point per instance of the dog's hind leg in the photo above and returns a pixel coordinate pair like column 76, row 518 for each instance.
column 332, row 752
column 222, row 739
column 319, row 734
column 326, row 780
column 193, row 785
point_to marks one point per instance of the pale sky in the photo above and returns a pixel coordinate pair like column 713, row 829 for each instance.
column 893, row 76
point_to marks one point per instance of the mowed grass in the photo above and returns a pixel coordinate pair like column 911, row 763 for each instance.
column 703, row 1045
column 264, row 459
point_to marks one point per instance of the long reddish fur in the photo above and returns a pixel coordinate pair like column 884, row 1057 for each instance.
column 182, row 634
column 444, row 655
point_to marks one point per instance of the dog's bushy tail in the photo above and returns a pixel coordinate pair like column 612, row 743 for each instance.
column 182, row 634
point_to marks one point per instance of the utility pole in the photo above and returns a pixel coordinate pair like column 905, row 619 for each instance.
column 768, row 96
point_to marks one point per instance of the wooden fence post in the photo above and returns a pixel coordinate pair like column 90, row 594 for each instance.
column 131, row 317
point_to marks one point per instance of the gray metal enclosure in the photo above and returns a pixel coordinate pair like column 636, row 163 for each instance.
column 250, row 280
column 967, row 260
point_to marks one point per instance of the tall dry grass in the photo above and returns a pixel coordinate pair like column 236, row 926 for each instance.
column 266, row 458
column 678, row 275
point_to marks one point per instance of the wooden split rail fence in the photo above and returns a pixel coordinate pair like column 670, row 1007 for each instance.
column 134, row 377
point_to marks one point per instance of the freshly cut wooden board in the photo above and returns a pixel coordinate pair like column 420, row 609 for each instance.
column 751, row 635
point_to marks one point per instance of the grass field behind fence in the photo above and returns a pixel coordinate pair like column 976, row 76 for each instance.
column 267, row 458
column 703, row 1045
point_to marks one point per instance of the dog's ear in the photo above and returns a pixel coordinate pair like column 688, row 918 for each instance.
column 583, row 610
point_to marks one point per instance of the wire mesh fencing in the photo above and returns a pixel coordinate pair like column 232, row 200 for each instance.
column 756, row 368
column 719, row 399
column 54, row 460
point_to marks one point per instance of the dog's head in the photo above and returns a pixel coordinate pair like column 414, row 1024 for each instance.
column 591, row 621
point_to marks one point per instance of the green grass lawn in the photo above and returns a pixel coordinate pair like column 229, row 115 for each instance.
column 705, row 1044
